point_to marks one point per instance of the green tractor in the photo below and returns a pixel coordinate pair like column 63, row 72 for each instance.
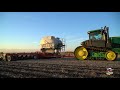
column 99, row 46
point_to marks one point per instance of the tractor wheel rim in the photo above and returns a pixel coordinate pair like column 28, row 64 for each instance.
column 110, row 55
column 81, row 53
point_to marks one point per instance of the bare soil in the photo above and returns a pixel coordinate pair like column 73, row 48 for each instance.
column 59, row 68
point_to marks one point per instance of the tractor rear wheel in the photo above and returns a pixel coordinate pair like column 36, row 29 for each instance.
column 81, row 53
column 110, row 55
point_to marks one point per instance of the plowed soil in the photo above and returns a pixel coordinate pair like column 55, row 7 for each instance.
column 59, row 68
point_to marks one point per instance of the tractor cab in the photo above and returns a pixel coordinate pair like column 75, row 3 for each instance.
column 99, row 34
column 95, row 35
column 98, row 38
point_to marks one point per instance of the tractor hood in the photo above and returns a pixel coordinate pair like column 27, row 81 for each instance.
column 115, row 40
column 84, row 42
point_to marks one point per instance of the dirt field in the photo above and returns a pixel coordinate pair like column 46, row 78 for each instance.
column 59, row 68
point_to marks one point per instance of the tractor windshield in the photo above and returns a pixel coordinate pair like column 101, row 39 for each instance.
column 95, row 36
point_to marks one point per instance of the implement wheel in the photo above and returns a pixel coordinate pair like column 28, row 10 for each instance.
column 110, row 55
column 8, row 58
column 81, row 53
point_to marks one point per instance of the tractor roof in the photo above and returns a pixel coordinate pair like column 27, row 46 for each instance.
column 92, row 31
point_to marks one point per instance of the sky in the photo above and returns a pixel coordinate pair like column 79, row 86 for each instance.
column 24, row 30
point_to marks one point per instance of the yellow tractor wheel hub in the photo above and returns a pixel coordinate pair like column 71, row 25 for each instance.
column 110, row 55
column 81, row 53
